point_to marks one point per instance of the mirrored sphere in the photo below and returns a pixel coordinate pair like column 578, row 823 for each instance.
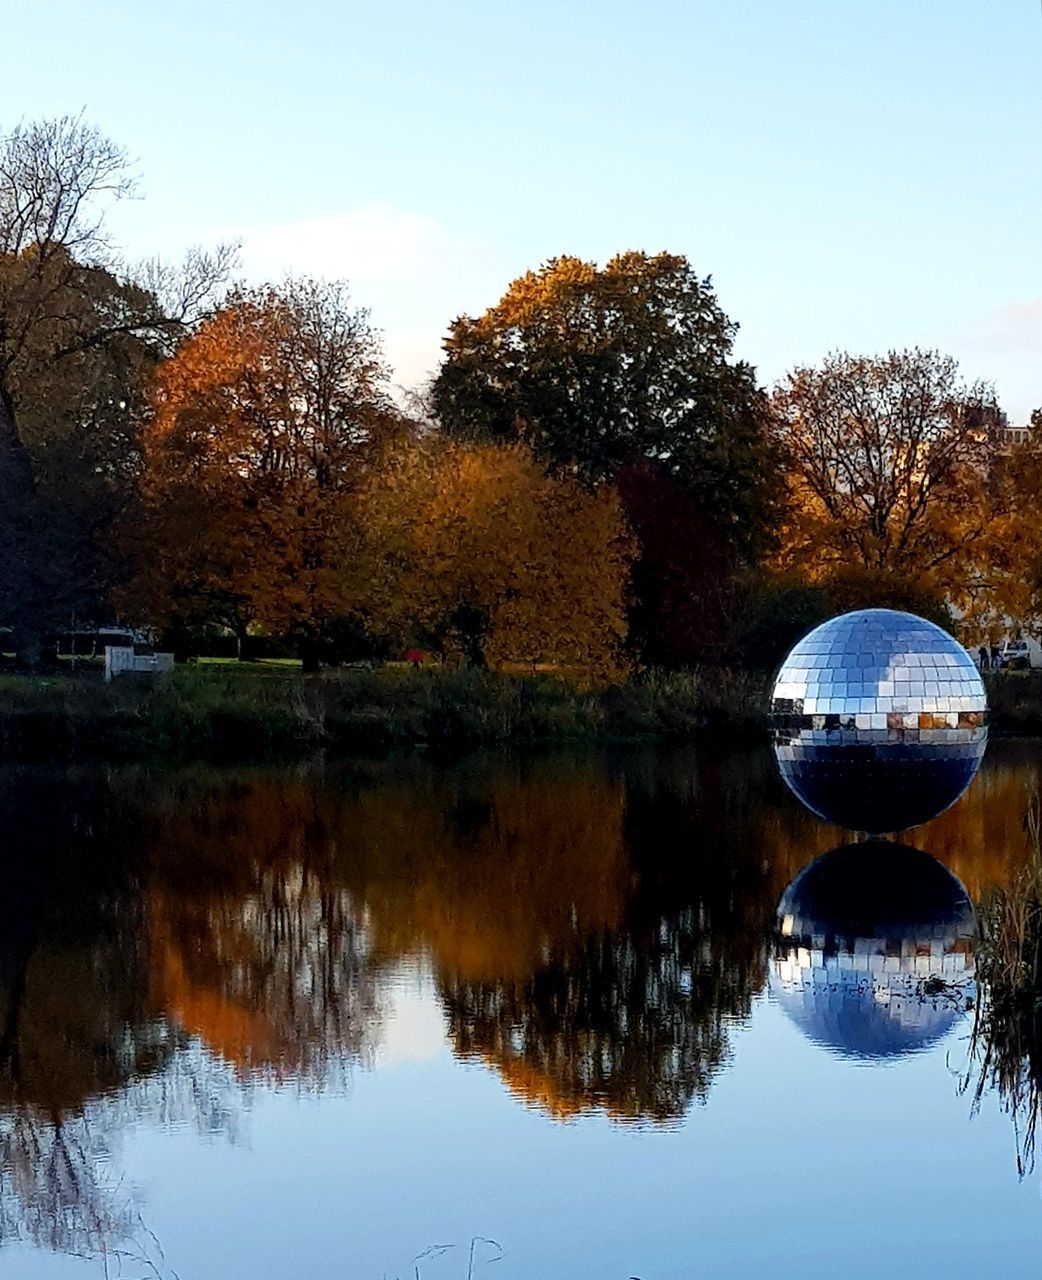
column 873, row 950
column 878, row 720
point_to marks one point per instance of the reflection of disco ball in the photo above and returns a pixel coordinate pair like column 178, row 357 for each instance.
column 873, row 950
column 878, row 720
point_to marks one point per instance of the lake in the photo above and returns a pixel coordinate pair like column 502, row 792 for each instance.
column 563, row 1016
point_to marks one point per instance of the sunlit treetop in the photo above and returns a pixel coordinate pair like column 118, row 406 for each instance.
column 600, row 368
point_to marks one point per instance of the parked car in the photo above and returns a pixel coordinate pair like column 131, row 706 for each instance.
column 1014, row 656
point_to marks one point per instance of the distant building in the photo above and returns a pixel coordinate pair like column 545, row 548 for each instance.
column 1014, row 435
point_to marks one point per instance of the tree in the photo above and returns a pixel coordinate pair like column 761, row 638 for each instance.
column 893, row 471
column 80, row 423
column 601, row 369
column 777, row 609
column 1015, row 563
column 627, row 371
column 686, row 578
column 266, row 421
column 75, row 329
column 476, row 550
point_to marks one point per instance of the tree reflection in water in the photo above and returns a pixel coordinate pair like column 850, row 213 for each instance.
column 594, row 928
column 625, row 1023
column 277, row 983
column 632, row 1020
column 253, row 946
column 59, row 1182
column 75, row 1027
column 141, row 980
column 54, row 1193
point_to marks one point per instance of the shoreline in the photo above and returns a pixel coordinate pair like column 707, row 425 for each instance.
column 258, row 712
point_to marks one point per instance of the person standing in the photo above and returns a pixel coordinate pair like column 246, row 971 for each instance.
column 983, row 656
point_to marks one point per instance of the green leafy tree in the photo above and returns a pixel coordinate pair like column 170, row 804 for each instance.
column 625, row 374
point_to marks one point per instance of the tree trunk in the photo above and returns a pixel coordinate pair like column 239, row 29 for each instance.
column 241, row 636
column 471, row 625
column 19, row 526
column 16, row 468
column 309, row 655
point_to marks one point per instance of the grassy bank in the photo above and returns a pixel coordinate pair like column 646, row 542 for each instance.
column 262, row 711
column 257, row 711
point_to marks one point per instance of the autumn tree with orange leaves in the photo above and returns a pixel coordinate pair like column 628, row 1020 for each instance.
column 895, row 476
column 266, row 422
column 1016, row 542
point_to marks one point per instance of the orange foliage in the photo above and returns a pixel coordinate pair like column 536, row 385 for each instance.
column 264, row 422
column 893, row 472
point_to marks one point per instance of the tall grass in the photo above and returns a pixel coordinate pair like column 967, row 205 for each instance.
column 1007, row 1032
column 257, row 711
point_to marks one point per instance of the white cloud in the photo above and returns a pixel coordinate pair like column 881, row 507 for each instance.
column 413, row 357
column 412, row 273
column 372, row 243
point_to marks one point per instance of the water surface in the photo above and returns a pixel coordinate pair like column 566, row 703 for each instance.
column 326, row 1021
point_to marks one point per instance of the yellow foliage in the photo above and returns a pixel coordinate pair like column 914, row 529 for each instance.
column 479, row 548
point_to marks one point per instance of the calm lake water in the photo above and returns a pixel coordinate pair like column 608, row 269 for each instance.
column 323, row 1022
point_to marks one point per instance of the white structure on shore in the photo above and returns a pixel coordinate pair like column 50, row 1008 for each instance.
column 120, row 659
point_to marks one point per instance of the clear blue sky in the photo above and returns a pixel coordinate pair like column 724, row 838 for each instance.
column 854, row 174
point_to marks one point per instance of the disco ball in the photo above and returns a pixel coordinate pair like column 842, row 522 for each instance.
column 873, row 950
column 878, row 720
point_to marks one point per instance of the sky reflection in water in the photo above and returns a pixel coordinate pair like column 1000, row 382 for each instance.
column 274, row 1021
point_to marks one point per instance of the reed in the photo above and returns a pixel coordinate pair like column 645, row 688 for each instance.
column 1006, row 1046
